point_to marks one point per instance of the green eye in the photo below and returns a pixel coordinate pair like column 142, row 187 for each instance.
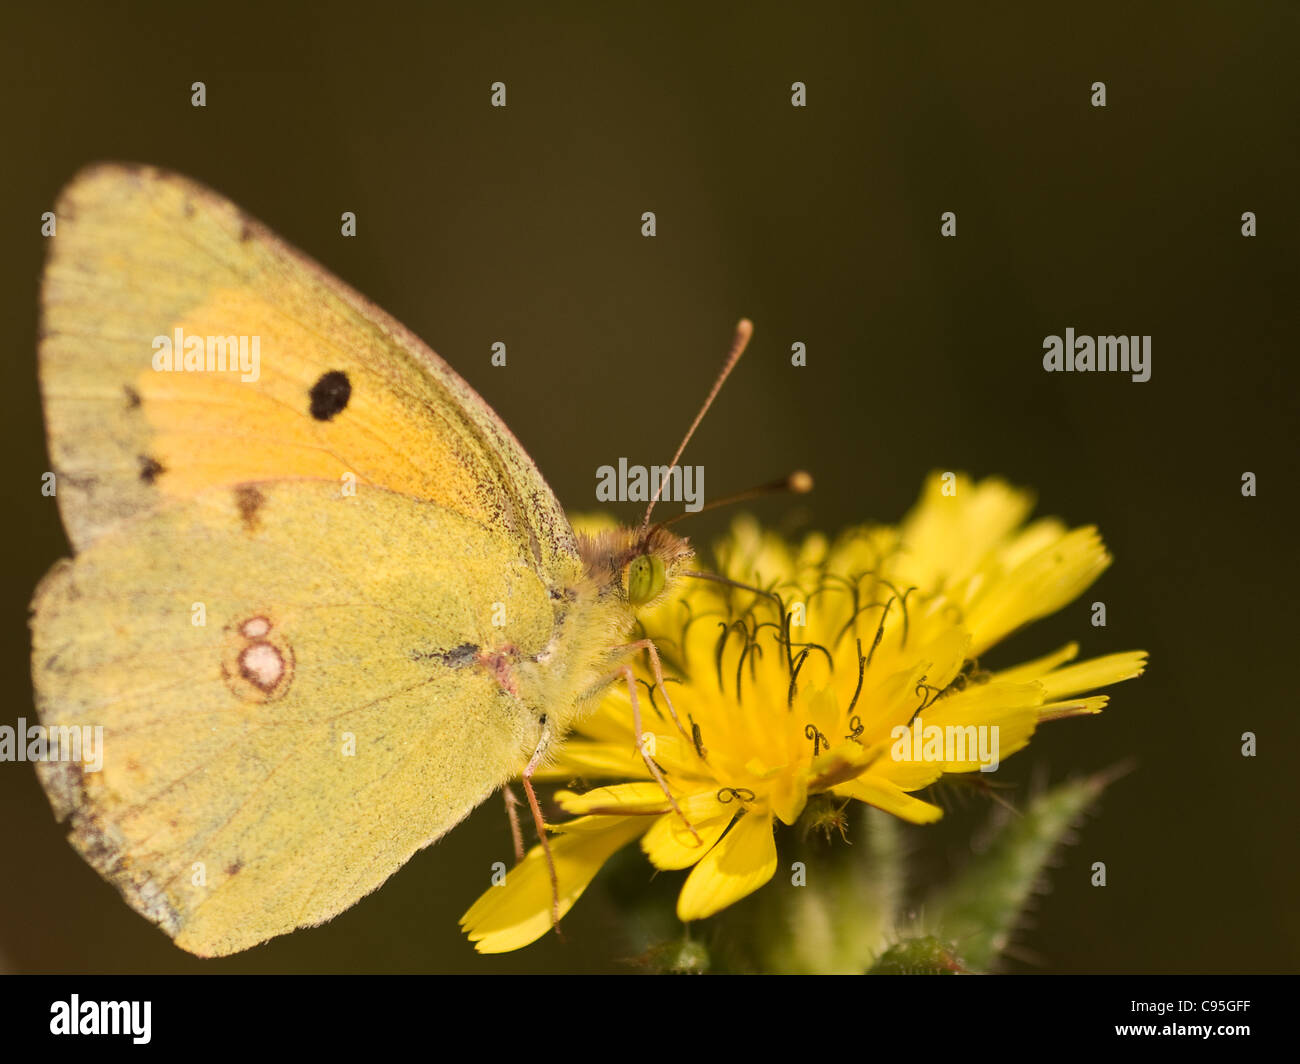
column 645, row 578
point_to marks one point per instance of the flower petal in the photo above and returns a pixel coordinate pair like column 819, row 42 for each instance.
column 1089, row 675
column 788, row 794
column 669, row 845
column 737, row 866
column 891, row 798
column 621, row 799
column 994, row 718
column 1074, row 707
column 1036, row 587
column 518, row 912
column 1032, row 670
column 594, row 760
column 954, row 527
column 908, row 775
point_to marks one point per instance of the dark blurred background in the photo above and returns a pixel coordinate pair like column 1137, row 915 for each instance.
column 822, row 224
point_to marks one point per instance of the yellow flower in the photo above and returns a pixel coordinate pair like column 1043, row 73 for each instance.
column 849, row 667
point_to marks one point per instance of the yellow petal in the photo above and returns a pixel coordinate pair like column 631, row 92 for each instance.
column 669, row 845
column 908, row 775
column 1074, row 707
column 671, row 752
column 622, row 799
column 1010, row 708
column 742, row 862
column 1032, row 670
column 1089, row 675
column 594, row 760
column 1038, row 586
column 947, row 536
column 891, row 798
column 518, row 912
column 788, row 795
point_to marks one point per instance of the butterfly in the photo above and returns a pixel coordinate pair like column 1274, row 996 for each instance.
column 322, row 603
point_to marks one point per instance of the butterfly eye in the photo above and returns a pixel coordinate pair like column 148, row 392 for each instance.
column 645, row 578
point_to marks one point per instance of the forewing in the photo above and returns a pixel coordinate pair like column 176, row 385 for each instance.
column 340, row 388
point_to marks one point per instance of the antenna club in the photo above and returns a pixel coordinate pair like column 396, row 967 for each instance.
column 800, row 482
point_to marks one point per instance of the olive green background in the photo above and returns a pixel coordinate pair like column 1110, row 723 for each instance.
column 822, row 224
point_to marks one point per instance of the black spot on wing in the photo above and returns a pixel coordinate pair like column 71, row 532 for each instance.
column 455, row 658
column 132, row 397
column 330, row 395
column 150, row 469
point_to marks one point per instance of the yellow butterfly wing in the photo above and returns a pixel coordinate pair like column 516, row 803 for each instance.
column 266, row 768
column 229, row 807
column 340, row 388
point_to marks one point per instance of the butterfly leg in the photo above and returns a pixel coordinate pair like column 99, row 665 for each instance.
column 654, row 769
column 527, row 780
column 512, row 812
column 656, row 667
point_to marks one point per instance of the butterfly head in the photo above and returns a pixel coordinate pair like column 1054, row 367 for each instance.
column 640, row 564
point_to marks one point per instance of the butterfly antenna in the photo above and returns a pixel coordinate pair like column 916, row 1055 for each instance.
column 744, row 330
column 800, row 482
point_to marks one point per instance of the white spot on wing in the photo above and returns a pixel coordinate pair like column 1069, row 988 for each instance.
column 262, row 664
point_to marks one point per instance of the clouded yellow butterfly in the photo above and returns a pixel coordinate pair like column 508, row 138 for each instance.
column 322, row 602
